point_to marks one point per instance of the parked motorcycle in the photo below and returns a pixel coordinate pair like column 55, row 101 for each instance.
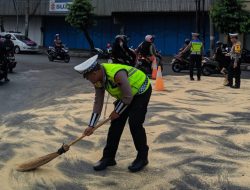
column 210, row 66
column 62, row 54
column 245, row 56
column 180, row 63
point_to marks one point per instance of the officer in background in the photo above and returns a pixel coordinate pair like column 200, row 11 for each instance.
column 234, row 67
column 196, row 47
column 8, row 48
column 132, row 89
column 1, row 54
column 8, row 45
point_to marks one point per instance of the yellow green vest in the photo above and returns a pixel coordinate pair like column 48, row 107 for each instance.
column 196, row 47
column 136, row 79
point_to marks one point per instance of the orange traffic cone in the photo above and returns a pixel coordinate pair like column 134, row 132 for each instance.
column 154, row 70
column 159, row 83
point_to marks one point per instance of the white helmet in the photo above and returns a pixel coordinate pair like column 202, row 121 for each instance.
column 149, row 38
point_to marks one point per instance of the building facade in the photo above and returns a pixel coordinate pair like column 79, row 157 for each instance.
column 171, row 21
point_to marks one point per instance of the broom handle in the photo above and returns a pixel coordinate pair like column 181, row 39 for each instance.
column 97, row 126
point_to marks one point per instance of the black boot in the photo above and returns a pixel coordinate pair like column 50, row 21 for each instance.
column 104, row 163
column 6, row 80
column 235, row 86
column 137, row 165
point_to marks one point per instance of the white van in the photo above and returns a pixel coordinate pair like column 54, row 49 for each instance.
column 21, row 42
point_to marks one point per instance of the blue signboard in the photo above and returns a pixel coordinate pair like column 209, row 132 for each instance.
column 59, row 5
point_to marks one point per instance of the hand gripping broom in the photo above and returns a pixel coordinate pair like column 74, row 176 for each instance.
column 35, row 163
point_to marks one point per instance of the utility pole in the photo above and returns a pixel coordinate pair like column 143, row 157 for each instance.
column 17, row 21
column 1, row 24
column 197, row 14
column 211, row 26
column 27, row 10
column 203, row 22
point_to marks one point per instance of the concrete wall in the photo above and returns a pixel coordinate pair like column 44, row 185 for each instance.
column 34, row 27
column 247, row 5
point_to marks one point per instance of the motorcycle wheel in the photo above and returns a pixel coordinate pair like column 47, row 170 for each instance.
column 176, row 67
column 66, row 58
column 51, row 58
column 206, row 71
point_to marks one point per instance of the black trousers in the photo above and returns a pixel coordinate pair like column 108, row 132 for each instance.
column 135, row 113
column 4, row 67
column 234, row 72
column 195, row 60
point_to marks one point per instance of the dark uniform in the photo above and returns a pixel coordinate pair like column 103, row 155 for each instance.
column 8, row 48
column 220, row 57
column 58, row 43
column 147, row 49
column 196, row 47
column 121, row 53
column 1, row 56
column 132, row 89
column 234, row 70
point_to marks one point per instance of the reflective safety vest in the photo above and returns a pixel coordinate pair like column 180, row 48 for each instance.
column 138, row 81
column 196, row 47
column 236, row 50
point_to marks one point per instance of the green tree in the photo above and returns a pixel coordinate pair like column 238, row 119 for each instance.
column 81, row 17
column 230, row 16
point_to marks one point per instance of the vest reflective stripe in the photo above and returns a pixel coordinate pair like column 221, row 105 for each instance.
column 196, row 47
column 136, row 79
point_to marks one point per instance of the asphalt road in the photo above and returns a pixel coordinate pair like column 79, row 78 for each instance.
column 36, row 82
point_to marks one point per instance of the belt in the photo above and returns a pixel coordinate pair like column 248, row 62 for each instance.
column 195, row 53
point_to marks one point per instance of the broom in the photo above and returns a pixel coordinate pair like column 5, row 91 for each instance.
column 35, row 163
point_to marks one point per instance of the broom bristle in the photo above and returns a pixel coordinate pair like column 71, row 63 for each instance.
column 35, row 163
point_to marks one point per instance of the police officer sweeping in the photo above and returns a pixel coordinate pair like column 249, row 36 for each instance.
column 196, row 47
column 234, row 67
column 132, row 89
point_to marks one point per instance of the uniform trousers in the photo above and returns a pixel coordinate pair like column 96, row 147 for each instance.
column 135, row 113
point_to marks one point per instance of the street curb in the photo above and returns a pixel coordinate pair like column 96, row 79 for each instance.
column 245, row 67
column 85, row 54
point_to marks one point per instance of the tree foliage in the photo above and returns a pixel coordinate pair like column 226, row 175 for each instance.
column 230, row 16
column 81, row 17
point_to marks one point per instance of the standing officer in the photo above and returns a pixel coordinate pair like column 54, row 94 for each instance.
column 132, row 89
column 196, row 47
column 234, row 67
column 8, row 48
